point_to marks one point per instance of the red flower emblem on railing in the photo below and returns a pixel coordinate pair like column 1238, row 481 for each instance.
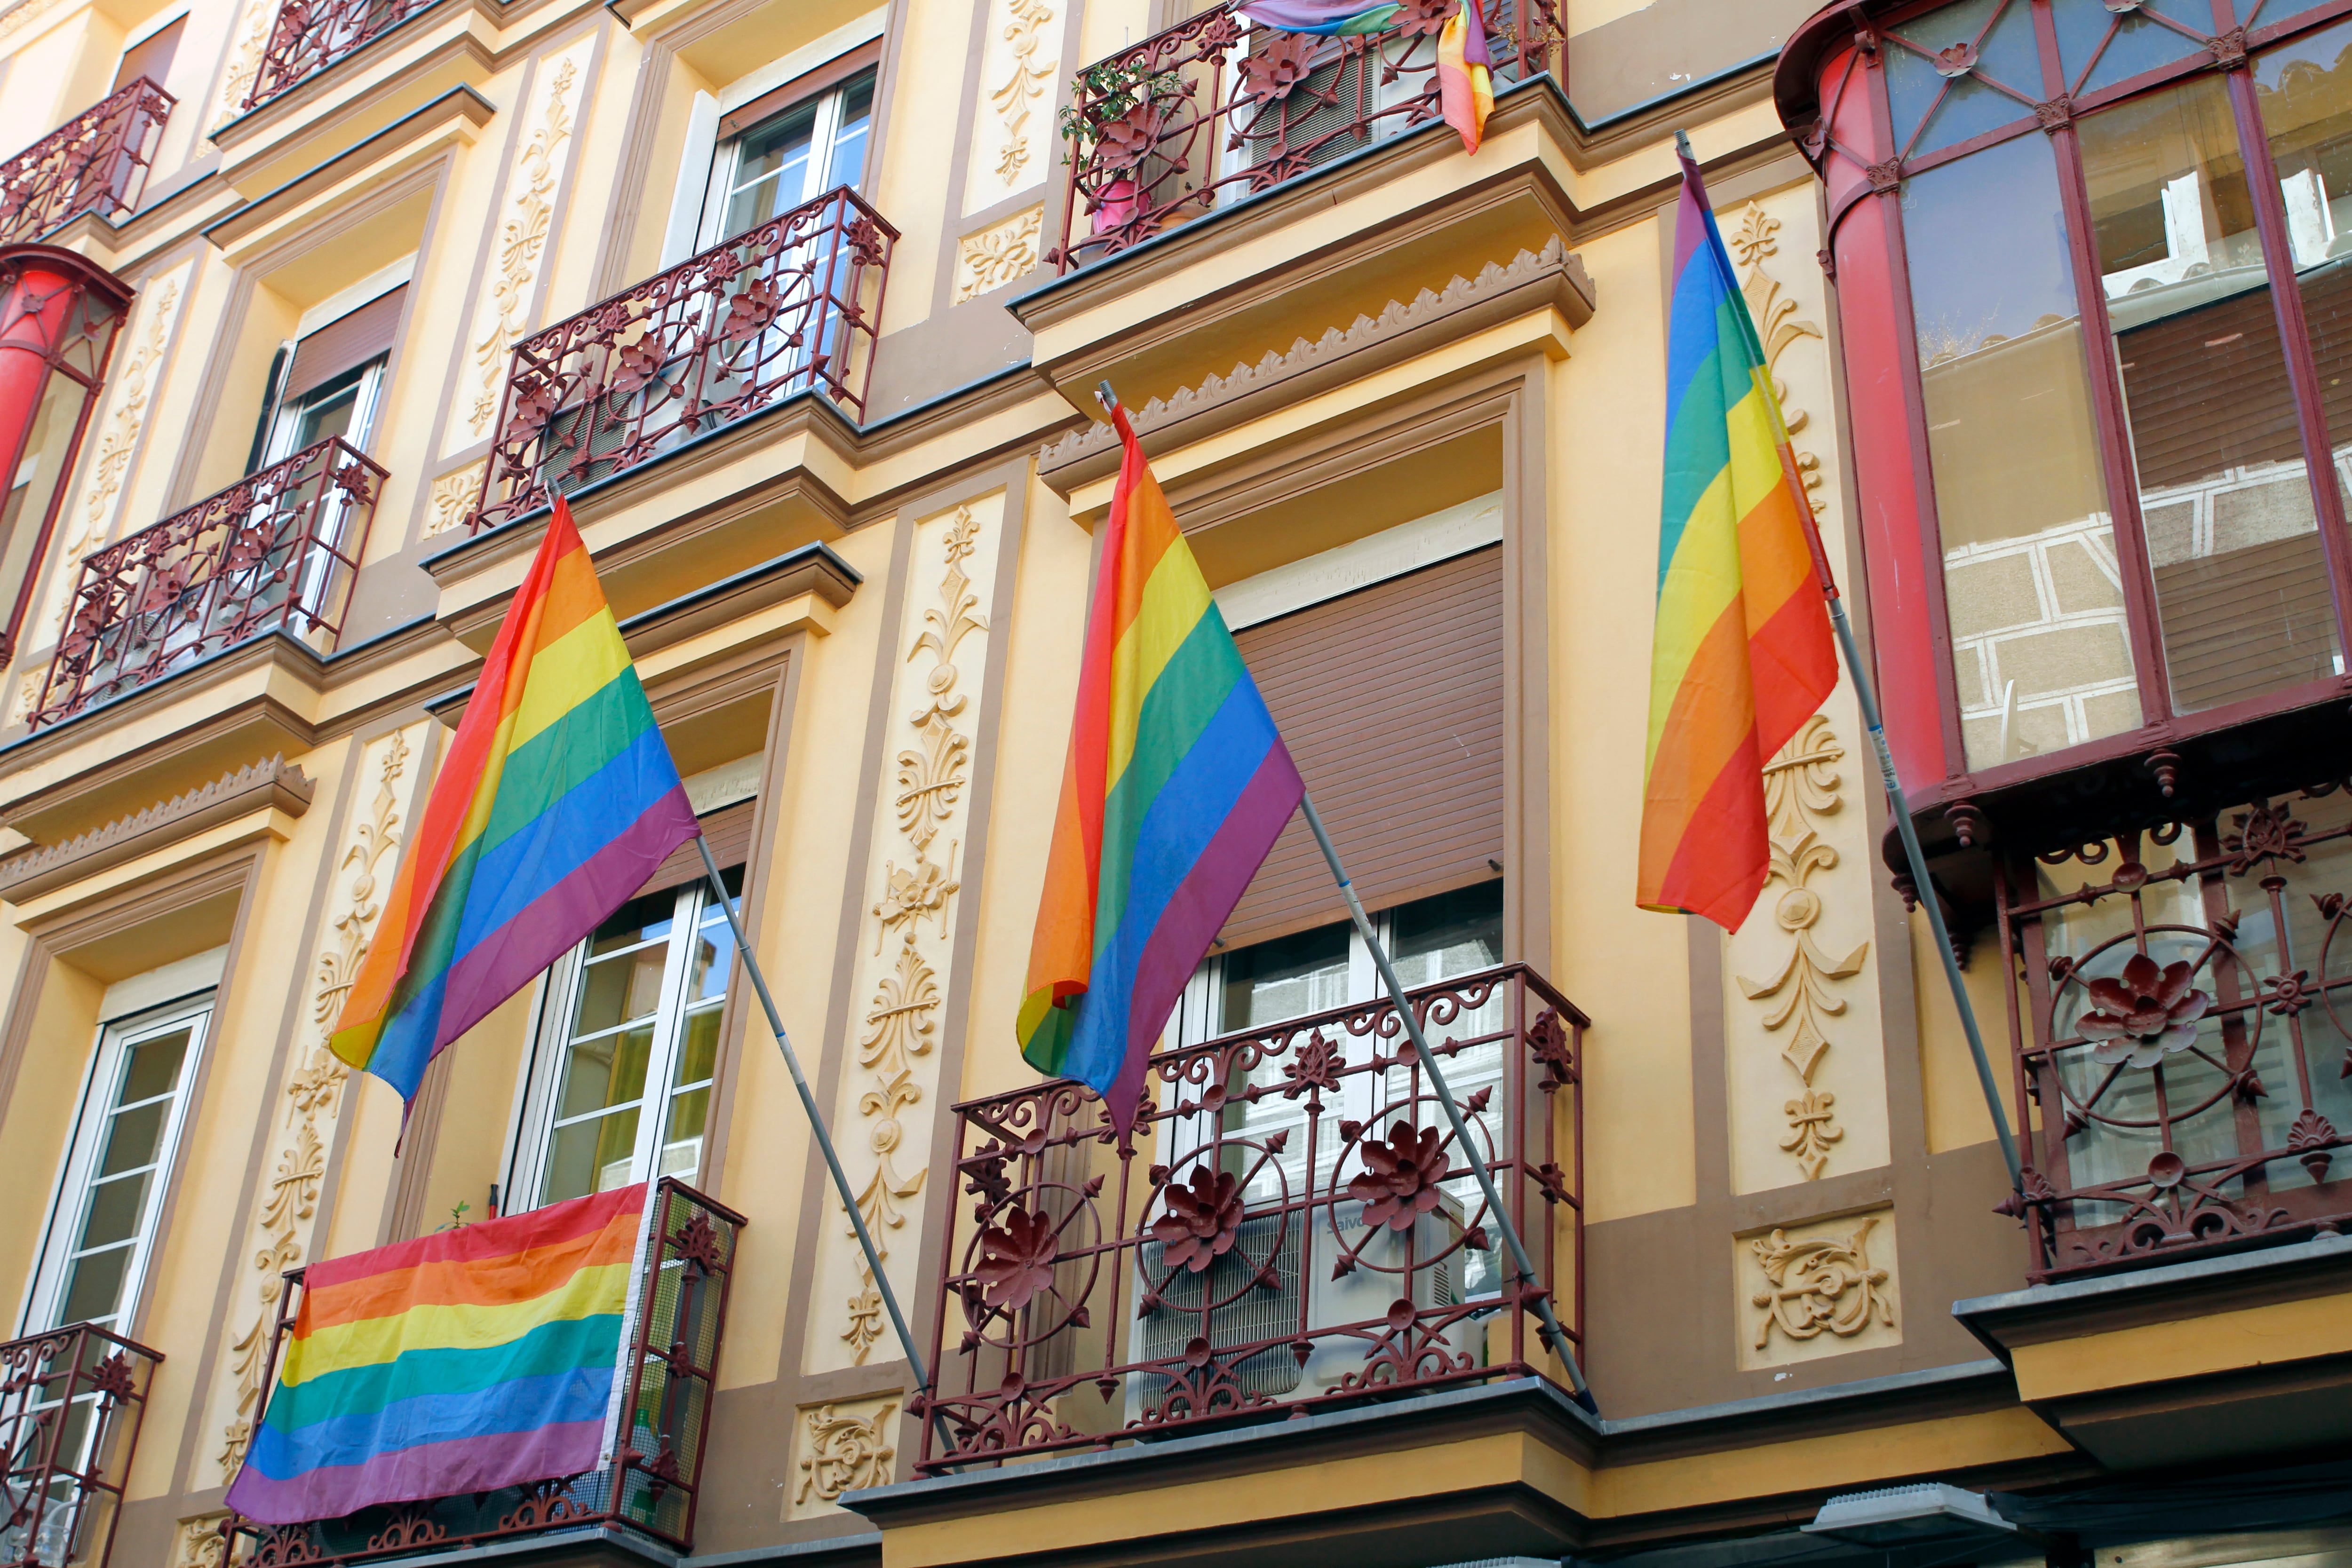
column 1398, row 1182
column 1201, row 1219
column 1016, row 1258
column 1282, row 65
column 1123, row 143
column 1424, row 18
column 2144, row 1015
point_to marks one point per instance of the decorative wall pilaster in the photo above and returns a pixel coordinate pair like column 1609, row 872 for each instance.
column 883, row 1120
column 1014, row 145
column 314, row 1092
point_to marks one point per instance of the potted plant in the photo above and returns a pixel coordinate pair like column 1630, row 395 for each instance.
column 1116, row 110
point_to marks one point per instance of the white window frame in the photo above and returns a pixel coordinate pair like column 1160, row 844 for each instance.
column 535, row 1125
column 69, row 1196
column 286, row 419
column 718, row 192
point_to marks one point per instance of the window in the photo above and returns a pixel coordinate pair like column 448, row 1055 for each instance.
column 628, row 1047
column 101, row 1228
column 327, row 383
column 1429, row 940
column 786, row 149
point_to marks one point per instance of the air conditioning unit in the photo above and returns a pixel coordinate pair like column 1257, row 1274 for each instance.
column 1260, row 1312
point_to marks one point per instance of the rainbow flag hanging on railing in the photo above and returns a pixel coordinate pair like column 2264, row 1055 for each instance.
column 1325, row 18
column 1742, row 655
column 557, row 801
column 460, row 1362
column 1176, row 787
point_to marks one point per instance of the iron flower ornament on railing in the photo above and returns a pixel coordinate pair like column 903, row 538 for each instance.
column 95, row 162
column 278, row 549
column 652, row 1483
column 309, row 36
column 1211, row 110
column 2182, row 1037
column 788, row 307
column 71, row 1401
column 1311, row 1232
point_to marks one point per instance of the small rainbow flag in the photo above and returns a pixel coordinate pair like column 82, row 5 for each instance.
column 557, row 801
column 1325, row 18
column 1466, row 76
column 1177, row 786
column 1742, row 655
column 460, row 1362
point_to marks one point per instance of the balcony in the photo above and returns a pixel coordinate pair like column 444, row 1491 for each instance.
column 1306, row 1232
column 2184, row 1067
column 275, row 551
column 1197, row 117
column 95, row 162
column 70, row 1405
column 786, row 308
column 308, row 38
column 651, row 1484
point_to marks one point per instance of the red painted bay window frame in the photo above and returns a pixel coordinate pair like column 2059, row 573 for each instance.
column 1832, row 91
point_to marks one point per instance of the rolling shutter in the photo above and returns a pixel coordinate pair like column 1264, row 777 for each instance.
column 1391, row 701
column 345, row 343
column 728, row 829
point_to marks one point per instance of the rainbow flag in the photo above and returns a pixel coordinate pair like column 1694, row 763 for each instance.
column 1466, row 76
column 1176, row 787
column 557, row 801
column 1742, row 655
column 460, row 1362
column 1325, row 18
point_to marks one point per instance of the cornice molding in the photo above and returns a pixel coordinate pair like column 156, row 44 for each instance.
column 1554, row 275
column 271, row 782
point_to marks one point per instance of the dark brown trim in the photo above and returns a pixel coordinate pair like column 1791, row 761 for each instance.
column 807, row 85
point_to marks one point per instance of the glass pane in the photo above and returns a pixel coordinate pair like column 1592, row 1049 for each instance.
column 153, row 1068
column 1912, row 80
column 698, row 1055
column 591, row 1157
column 712, row 958
column 620, row 989
column 94, row 1290
column 771, row 169
column 681, row 1151
column 849, row 142
column 605, row 1071
column 133, row 1138
column 1453, row 934
column 640, row 920
column 112, row 1214
column 2007, row 54
column 2232, row 532
column 2040, row 651
column 1286, row 977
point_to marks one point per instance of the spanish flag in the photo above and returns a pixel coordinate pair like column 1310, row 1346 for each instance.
column 1742, row 655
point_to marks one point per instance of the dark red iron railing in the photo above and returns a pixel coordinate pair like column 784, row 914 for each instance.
column 2180, row 1034
column 651, row 1485
column 70, row 1405
column 95, row 162
column 276, row 549
column 1303, row 1229
column 1211, row 110
column 787, row 306
column 311, row 34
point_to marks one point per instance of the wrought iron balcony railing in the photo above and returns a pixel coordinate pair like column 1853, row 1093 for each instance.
column 1303, row 1229
column 311, row 34
column 650, row 1485
column 789, row 307
column 1211, row 110
column 276, row 549
column 95, row 162
column 2183, row 1033
column 70, row 1405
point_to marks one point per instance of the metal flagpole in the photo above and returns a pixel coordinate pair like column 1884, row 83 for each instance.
column 817, row 1124
column 1867, row 697
column 1552, row 1333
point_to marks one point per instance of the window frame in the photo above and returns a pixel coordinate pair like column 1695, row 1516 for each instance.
column 720, row 186
column 1853, row 147
column 44, row 1289
column 534, row 1123
column 286, row 415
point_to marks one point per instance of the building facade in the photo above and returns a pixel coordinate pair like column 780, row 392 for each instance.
column 308, row 310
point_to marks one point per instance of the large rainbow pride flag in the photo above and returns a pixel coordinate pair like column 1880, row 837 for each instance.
column 460, row 1362
column 1176, row 787
column 557, row 801
column 1742, row 655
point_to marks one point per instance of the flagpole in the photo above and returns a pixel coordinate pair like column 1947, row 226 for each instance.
column 1867, row 697
column 817, row 1124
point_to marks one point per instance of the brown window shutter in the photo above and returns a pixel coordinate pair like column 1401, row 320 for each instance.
column 800, row 89
column 1391, row 702
column 728, row 829
column 151, row 57
column 345, row 343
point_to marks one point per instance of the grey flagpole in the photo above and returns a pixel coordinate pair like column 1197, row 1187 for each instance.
column 1553, row 1335
column 1867, row 698
column 817, row 1124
